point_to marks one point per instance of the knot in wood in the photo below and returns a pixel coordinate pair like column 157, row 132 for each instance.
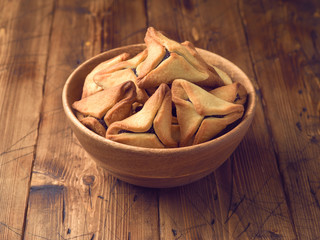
column 88, row 179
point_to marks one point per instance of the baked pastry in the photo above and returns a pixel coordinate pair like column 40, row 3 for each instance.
column 94, row 125
column 234, row 93
column 156, row 53
column 111, row 104
column 171, row 60
column 225, row 77
column 201, row 115
column 165, row 96
column 120, row 72
column 89, row 86
column 149, row 127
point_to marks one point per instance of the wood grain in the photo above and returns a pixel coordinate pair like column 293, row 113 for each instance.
column 23, row 55
column 268, row 189
column 70, row 197
column 288, row 48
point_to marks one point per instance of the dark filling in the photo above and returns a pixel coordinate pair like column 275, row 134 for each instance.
column 103, row 123
column 174, row 112
column 215, row 116
column 228, row 128
column 224, row 131
column 134, row 71
column 237, row 98
column 137, row 109
column 166, row 55
column 124, row 131
column 231, row 126
column 151, row 130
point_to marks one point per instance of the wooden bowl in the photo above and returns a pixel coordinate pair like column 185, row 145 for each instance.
column 157, row 167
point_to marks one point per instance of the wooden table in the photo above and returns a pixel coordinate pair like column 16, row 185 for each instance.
column 268, row 189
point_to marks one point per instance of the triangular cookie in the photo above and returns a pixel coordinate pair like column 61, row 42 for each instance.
column 94, row 125
column 105, row 103
column 195, row 107
column 181, row 61
column 151, row 123
column 122, row 72
column 234, row 93
column 89, row 86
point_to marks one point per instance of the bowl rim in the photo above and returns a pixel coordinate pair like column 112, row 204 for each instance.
column 248, row 114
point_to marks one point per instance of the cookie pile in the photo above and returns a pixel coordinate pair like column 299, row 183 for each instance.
column 165, row 96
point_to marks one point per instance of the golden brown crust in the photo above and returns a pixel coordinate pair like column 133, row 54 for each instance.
column 141, row 121
column 94, row 125
column 174, row 47
column 98, row 104
column 126, row 63
column 184, row 62
column 156, row 114
column 133, row 97
column 123, row 108
column 146, row 140
column 206, row 130
column 195, row 106
column 234, row 93
column 156, row 52
column 109, row 80
column 175, row 131
column 89, row 86
column 170, row 69
column 163, row 120
column 122, row 72
column 223, row 75
column 214, row 79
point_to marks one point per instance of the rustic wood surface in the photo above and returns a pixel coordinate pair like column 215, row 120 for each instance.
column 268, row 189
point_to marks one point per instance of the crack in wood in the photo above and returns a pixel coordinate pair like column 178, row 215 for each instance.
column 313, row 194
column 49, row 191
column 17, row 158
column 126, row 211
column 90, row 197
column 9, row 149
column 233, row 208
column 69, row 238
column 185, row 231
column 93, row 235
column 16, row 149
column 207, row 222
column 12, row 229
column 63, row 210
column 111, row 191
column 260, row 227
column 244, row 230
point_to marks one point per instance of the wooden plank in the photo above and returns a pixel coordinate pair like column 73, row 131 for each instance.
column 243, row 199
column 70, row 196
column 286, row 60
column 187, row 212
column 123, row 23
column 23, row 56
